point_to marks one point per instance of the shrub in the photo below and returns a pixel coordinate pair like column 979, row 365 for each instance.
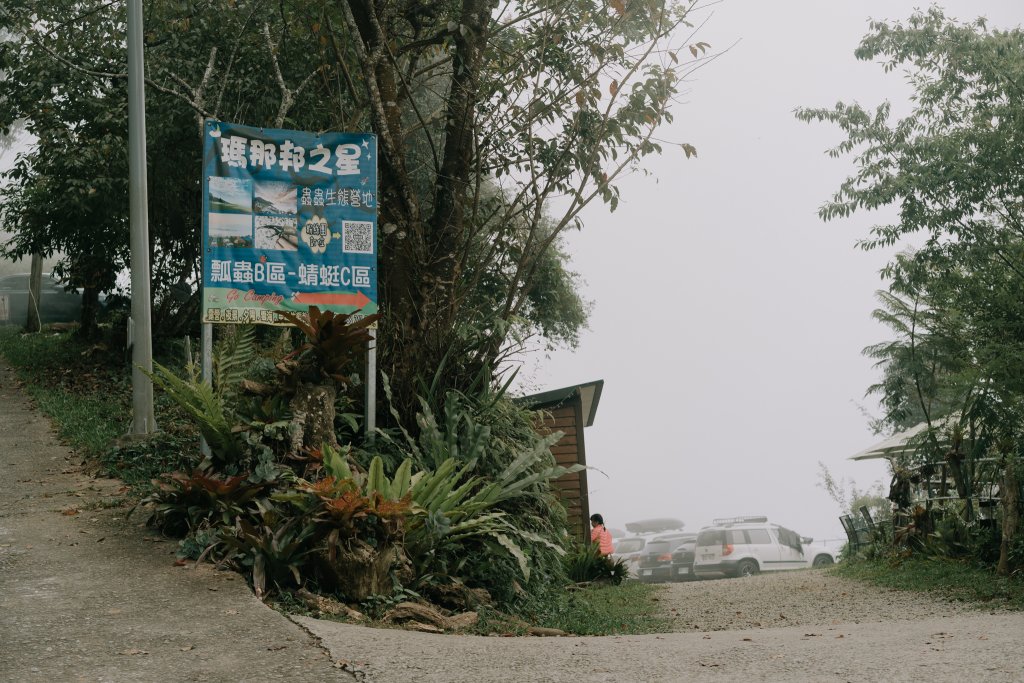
column 587, row 564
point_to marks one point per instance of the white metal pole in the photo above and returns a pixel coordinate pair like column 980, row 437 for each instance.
column 371, row 387
column 143, row 418
column 206, row 363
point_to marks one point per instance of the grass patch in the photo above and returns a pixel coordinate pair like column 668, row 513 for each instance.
column 604, row 610
column 86, row 390
column 137, row 462
column 83, row 395
column 945, row 578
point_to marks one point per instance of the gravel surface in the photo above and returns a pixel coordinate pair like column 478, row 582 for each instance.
column 791, row 626
column 793, row 598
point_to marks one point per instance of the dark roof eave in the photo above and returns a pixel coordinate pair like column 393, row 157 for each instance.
column 589, row 392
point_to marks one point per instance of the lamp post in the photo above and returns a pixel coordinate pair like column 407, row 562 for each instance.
column 143, row 418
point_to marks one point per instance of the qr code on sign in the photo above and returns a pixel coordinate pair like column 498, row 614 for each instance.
column 357, row 237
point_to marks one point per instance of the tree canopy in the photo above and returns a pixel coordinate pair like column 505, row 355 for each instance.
column 952, row 167
column 954, row 301
column 497, row 123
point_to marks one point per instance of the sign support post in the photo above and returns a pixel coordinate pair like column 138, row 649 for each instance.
column 206, row 366
column 370, row 381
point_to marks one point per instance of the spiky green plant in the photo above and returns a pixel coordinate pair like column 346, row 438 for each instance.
column 587, row 564
column 233, row 356
column 209, row 410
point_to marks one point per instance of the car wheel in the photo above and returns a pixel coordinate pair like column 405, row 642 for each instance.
column 747, row 568
column 822, row 561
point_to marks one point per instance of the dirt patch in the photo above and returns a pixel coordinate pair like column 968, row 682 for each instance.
column 812, row 597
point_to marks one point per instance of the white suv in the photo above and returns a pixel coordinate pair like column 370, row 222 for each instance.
column 742, row 546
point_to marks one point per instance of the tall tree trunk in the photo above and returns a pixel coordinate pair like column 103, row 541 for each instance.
column 90, row 312
column 34, row 322
column 420, row 333
column 1010, row 495
column 955, row 460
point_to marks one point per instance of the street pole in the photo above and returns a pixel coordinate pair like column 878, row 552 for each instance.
column 143, row 418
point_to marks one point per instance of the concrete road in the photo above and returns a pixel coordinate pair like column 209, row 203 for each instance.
column 86, row 595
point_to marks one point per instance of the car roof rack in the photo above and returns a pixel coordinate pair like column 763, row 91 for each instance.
column 739, row 520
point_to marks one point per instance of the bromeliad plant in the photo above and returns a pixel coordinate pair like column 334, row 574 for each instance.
column 314, row 372
column 272, row 545
column 479, row 501
column 465, row 500
column 186, row 503
column 334, row 341
column 356, row 523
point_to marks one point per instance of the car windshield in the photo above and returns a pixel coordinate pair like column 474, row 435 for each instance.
column 629, row 545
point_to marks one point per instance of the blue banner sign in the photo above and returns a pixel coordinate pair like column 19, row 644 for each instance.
column 289, row 222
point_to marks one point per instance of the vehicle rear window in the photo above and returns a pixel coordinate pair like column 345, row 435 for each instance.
column 629, row 545
column 711, row 537
column 759, row 536
column 737, row 536
column 657, row 547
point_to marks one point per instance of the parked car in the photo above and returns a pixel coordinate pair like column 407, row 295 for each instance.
column 55, row 304
column 682, row 562
column 656, row 559
column 743, row 546
column 628, row 550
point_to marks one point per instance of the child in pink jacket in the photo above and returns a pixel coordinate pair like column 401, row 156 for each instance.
column 599, row 534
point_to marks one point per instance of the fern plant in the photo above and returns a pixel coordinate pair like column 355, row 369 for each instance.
column 233, row 355
column 210, row 412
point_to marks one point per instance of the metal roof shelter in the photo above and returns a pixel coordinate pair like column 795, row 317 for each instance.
column 929, row 482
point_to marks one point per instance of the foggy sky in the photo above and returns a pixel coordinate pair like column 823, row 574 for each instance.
column 728, row 319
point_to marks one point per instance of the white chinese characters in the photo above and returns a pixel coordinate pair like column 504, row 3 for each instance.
column 237, row 151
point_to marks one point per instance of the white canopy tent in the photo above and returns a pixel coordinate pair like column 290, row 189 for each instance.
column 905, row 442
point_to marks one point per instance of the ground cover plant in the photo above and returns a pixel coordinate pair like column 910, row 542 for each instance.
column 595, row 610
column 457, row 510
column 71, row 384
column 85, row 389
column 961, row 580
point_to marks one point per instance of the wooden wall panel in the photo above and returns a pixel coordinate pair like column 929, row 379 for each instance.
column 569, row 450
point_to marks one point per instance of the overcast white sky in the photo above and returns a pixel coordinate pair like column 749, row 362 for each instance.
column 728, row 319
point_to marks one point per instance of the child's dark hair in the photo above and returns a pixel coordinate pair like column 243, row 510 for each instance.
column 597, row 518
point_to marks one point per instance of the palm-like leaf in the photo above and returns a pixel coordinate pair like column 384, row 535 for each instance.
column 207, row 408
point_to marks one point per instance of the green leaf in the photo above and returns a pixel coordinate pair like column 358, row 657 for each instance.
column 516, row 552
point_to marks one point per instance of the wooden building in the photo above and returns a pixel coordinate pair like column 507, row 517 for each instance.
column 569, row 410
